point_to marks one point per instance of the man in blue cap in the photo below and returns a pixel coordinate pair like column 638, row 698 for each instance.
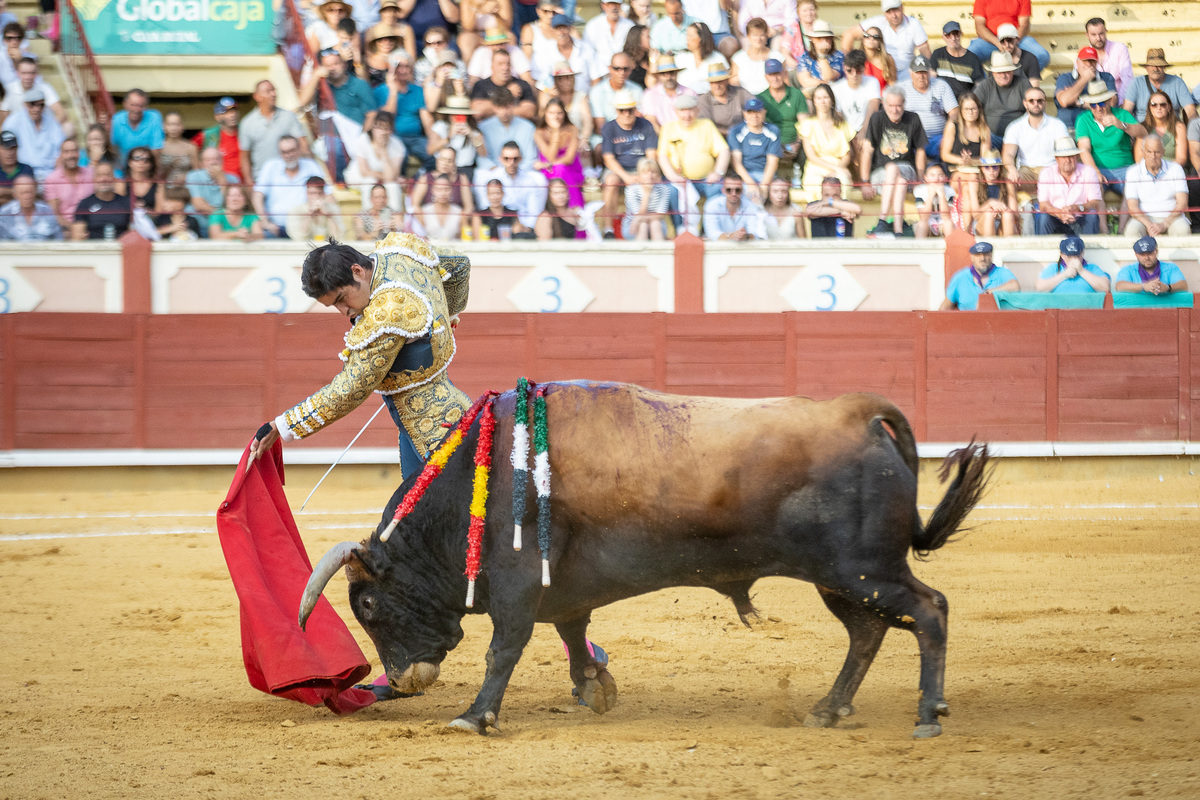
column 981, row 277
column 1072, row 274
column 755, row 147
column 1150, row 275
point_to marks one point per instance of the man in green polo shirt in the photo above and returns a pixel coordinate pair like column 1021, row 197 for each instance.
column 785, row 104
column 1105, row 135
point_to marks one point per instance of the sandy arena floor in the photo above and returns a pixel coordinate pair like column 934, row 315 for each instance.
column 1074, row 665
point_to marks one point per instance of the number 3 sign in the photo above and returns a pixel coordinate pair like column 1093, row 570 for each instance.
column 824, row 288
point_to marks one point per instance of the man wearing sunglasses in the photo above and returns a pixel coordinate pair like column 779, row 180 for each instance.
column 39, row 133
column 603, row 95
column 28, row 77
column 729, row 218
column 903, row 36
column 1105, row 135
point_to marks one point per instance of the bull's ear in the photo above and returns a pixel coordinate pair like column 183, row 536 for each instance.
column 360, row 569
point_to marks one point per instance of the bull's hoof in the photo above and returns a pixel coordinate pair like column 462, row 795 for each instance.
column 942, row 709
column 598, row 690
column 468, row 724
column 927, row 731
column 820, row 719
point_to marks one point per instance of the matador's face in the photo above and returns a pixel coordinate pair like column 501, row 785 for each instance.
column 352, row 298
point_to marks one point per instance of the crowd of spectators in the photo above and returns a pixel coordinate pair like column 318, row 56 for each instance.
column 731, row 119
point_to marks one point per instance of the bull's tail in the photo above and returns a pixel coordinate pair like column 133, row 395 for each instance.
column 972, row 469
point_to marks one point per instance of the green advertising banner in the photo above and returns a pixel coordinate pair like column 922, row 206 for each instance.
column 177, row 27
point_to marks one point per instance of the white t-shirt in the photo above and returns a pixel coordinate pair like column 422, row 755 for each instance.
column 1035, row 147
column 709, row 12
column 899, row 44
column 853, row 102
column 605, row 44
column 580, row 61
column 15, row 93
column 751, row 74
column 695, row 76
column 480, row 65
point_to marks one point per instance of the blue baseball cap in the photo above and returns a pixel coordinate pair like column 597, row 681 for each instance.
column 754, row 104
column 1146, row 244
column 979, row 248
column 773, row 66
column 223, row 105
column 1071, row 246
column 560, row 20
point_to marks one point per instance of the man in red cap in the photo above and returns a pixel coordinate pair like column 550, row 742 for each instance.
column 1073, row 85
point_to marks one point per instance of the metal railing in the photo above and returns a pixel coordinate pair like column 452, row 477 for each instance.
column 298, row 55
column 80, row 71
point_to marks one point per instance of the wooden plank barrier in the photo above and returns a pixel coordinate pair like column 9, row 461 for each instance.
column 78, row 381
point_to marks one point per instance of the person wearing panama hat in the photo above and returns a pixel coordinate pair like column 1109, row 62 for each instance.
column 658, row 101
column 1105, row 135
column 1156, row 79
column 822, row 62
column 723, row 102
column 1002, row 94
column 382, row 41
column 1071, row 86
column 494, row 39
column 1070, row 200
column 479, row 17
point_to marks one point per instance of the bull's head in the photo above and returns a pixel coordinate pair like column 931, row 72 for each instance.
column 396, row 600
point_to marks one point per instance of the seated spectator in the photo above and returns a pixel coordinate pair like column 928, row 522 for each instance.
column 1072, row 85
column 460, row 186
column 223, row 136
column 524, row 189
column 174, row 224
column 574, row 101
column 406, row 102
column 318, row 218
column 934, row 201
column 831, row 216
column 379, row 219
column 794, row 41
column 11, row 167
column 480, row 65
column 380, row 156
column 436, row 45
column 713, row 14
column 723, row 102
column 668, row 35
column 879, row 65
column 140, row 183
column 1114, row 56
column 641, row 15
column 1002, row 94
column 382, row 42
column 785, row 106
column 321, row 33
column 446, row 80
column 506, row 126
column 637, row 50
column 97, row 147
column 178, row 154
column 1137, row 99
column 526, row 105
column 557, row 142
column 995, row 206
column 455, row 127
column 425, row 14
column 537, row 36
column 930, row 99
column 568, row 47
column 1105, row 135
column 1193, row 145
column 858, row 95
column 783, row 220
column 1072, row 274
column 755, row 149
column 999, row 20
column 728, row 218
column 235, row 219
column 1156, row 194
column 778, row 17
column 693, row 157
column 15, row 48
column 822, row 62
column 478, row 16
column 605, row 33
column 25, row 218
column 1029, row 141
column 615, row 84
column 441, row 219
column 206, row 186
column 658, row 102
column 352, row 96
column 103, row 214
column 901, row 36
column 349, row 44
column 1150, row 275
column 696, row 62
column 136, row 125
column 955, row 64
column 647, row 201
column 38, row 133
column 1070, row 200
column 282, row 186
column 68, row 184
column 561, row 219
column 1025, row 62
column 624, row 143
column 981, row 277
column 747, row 68
column 827, row 142
column 261, row 131
column 498, row 220
column 963, row 140
column 892, row 156
column 28, row 77
column 1168, row 126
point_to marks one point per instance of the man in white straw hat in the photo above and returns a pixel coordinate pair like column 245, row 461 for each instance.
column 1156, row 79
column 1156, row 193
column 1070, row 202
column 1105, row 135
column 1002, row 94
column 902, row 35
column 1027, row 64
column 723, row 102
column 624, row 141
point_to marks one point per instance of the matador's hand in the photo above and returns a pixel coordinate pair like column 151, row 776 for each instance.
column 264, row 439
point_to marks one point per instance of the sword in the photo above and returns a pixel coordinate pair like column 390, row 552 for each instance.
column 340, row 455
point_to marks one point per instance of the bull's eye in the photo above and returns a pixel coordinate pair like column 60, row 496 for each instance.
column 367, row 603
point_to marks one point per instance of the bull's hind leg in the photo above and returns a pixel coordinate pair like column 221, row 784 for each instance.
column 866, row 629
column 596, row 686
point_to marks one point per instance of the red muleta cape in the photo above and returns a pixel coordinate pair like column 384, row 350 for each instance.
column 270, row 569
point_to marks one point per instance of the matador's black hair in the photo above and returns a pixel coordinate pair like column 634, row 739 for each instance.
column 328, row 268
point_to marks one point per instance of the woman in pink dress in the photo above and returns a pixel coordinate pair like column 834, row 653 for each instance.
column 557, row 142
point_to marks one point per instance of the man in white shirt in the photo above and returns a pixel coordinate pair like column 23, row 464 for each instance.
column 932, row 100
column 902, row 35
column 715, row 15
column 282, row 185
column 603, row 94
column 606, row 34
column 1114, row 56
column 38, row 133
column 668, row 34
column 524, row 189
column 1156, row 193
column 480, row 65
column 571, row 49
column 728, row 218
column 29, row 76
column 1029, row 141
column 858, row 95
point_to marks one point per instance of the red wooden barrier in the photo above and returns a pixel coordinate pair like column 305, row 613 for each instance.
column 206, row 381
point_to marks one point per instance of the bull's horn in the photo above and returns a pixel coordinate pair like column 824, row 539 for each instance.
column 329, row 564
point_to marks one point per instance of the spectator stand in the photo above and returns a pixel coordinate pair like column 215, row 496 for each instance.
column 90, row 99
column 300, row 61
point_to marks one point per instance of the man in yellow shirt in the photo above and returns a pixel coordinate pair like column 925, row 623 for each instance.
column 694, row 158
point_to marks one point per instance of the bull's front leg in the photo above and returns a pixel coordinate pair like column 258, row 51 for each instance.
column 512, row 626
column 596, row 686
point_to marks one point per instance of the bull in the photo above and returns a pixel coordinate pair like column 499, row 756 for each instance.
column 654, row 490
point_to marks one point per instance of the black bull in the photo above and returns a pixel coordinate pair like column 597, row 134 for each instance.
column 654, row 490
